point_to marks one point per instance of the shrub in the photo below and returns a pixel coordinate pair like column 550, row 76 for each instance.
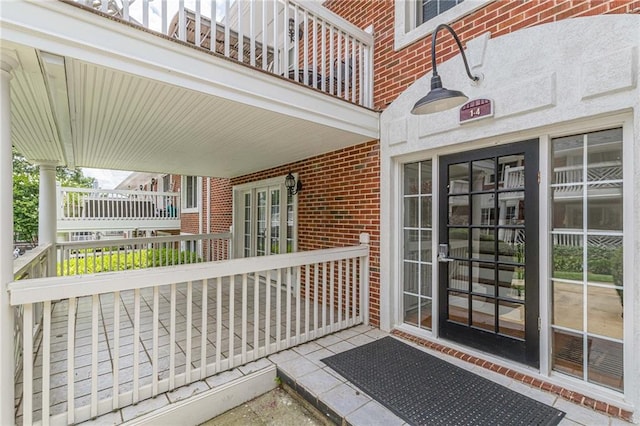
column 119, row 261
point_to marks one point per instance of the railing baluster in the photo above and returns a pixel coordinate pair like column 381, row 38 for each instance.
column 218, row 324
column 244, row 318
column 116, row 350
column 307, row 297
column 347, row 277
column 324, row 297
column 354, row 64
column 332, row 295
column 338, row 65
column 267, row 314
column 285, row 36
column 145, row 13
column 346, row 72
column 332, row 77
column 252, row 33
column 46, row 360
column 188, row 343
column 155, row 343
column 227, row 26
column 71, row 333
column 27, row 364
column 172, row 338
column 164, row 16
column 288, row 320
column 305, row 50
column 323, row 56
column 232, row 289
column 198, row 25
column 136, row 345
column 182, row 22
column 314, row 43
column 203, row 330
column 339, row 294
column 354, row 293
column 256, row 314
column 296, row 45
column 316, row 275
column 240, row 43
column 276, row 29
column 265, row 35
column 95, row 305
column 278, row 308
column 298, row 289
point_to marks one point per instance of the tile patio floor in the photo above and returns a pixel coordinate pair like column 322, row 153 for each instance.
column 303, row 366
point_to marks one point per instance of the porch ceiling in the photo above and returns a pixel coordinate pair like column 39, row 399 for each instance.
column 187, row 113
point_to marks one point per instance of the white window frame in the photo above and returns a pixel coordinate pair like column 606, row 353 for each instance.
column 392, row 308
column 406, row 31
column 183, row 194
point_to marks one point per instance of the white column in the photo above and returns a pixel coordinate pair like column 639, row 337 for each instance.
column 47, row 212
column 7, row 63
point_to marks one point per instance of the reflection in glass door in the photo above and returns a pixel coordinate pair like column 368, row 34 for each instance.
column 488, row 293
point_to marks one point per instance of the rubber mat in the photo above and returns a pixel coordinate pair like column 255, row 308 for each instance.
column 425, row 390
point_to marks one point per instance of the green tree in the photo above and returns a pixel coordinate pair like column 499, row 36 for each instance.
column 26, row 183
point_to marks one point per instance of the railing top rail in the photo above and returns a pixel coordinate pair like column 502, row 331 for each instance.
column 21, row 264
column 146, row 240
column 335, row 20
column 43, row 289
column 117, row 191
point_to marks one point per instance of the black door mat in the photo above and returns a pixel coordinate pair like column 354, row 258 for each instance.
column 425, row 390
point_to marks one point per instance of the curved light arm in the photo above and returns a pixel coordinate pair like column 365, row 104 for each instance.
column 455, row 37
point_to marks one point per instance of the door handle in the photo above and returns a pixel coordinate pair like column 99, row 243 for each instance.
column 443, row 252
column 444, row 259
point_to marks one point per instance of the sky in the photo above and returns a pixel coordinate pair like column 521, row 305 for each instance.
column 107, row 179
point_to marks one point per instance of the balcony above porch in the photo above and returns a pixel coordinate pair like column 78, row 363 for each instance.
column 106, row 89
column 86, row 209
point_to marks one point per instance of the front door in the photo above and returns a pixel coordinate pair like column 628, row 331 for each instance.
column 488, row 250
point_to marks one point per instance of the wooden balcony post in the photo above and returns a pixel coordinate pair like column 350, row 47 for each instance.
column 7, row 63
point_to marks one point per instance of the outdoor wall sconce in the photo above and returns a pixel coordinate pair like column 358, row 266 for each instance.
column 439, row 98
column 293, row 187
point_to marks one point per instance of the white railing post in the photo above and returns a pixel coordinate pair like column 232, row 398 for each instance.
column 7, row 63
column 365, row 240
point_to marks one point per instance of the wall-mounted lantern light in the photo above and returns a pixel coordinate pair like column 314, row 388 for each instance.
column 292, row 30
column 439, row 98
column 293, row 187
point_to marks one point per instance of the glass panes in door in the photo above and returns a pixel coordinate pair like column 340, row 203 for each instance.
column 487, row 268
column 587, row 258
column 417, row 244
column 261, row 223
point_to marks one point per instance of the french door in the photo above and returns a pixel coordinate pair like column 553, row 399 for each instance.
column 488, row 250
column 268, row 220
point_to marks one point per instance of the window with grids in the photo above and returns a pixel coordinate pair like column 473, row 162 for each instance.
column 587, row 258
column 429, row 9
column 417, row 247
column 190, row 191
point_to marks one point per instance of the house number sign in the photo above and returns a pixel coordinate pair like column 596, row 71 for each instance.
column 475, row 110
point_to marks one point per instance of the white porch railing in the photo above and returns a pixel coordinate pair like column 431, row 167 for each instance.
column 99, row 209
column 299, row 40
column 34, row 264
column 88, row 257
column 229, row 313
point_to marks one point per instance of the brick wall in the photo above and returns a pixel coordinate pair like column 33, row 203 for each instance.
column 339, row 200
column 395, row 71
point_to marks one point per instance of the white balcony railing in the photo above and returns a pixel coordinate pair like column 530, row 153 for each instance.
column 295, row 39
column 187, row 322
column 88, row 257
column 34, row 264
column 99, row 209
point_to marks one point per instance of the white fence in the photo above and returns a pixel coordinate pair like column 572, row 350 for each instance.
column 299, row 40
column 98, row 209
column 192, row 321
column 86, row 257
column 34, row 264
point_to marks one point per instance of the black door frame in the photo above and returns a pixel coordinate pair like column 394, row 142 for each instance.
column 527, row 351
